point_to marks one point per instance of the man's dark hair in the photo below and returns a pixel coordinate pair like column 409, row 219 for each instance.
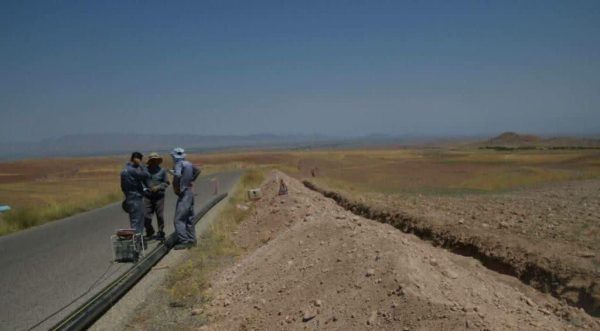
column 136, row 155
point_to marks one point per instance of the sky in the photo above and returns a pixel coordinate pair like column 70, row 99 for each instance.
column 340, row 68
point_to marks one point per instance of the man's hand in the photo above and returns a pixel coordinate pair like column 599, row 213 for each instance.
column 154, row 189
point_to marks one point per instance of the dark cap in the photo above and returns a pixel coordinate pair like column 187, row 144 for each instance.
column 136, row 155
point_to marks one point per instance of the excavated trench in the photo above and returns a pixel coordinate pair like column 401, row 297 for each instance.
column 548, row 280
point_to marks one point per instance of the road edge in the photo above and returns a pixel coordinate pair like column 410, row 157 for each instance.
column 119, row 315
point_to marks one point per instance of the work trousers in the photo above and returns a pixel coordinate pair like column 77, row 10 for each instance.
column 154, row 205
column 184, row 218
column 135, row 208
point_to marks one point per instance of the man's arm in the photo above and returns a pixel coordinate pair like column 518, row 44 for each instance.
column 123, row 182
column 177, row 178
column 139, row 173
column 164, row 181
column 187, row 175
column 146, row 178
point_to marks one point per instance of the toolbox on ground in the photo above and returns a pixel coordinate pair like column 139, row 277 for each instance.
column 128, row 246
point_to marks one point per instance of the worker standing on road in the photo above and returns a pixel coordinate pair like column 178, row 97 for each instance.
column 184, row 175
column 154, row 199
column 133, row 184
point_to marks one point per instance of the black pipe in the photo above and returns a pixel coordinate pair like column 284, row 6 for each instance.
column 96, row 306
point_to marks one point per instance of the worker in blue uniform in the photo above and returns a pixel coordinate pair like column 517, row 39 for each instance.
column 134, row 177
column 154, row 199
column 184, row 175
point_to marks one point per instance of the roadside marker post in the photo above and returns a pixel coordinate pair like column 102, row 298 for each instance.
column 215, row 185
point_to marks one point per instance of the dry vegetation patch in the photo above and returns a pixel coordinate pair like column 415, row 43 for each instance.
column 425, row 171
column 44, row 190
column 178, row 304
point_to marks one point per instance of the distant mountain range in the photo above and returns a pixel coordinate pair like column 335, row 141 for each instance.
column 515, row 140
column 104, row 144
column 111, row 144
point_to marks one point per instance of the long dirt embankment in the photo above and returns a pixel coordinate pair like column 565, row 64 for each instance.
column 577, row 287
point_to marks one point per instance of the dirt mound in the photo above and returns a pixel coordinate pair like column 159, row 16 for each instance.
column 311, row 264
column 540, row 252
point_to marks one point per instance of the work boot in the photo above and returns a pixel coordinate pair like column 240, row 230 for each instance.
column 185, row 245
column 160, row 236
column 149, row 235
column 180, row 246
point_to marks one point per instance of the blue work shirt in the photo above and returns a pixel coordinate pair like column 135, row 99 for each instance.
column 183, row 175
column 134, row 179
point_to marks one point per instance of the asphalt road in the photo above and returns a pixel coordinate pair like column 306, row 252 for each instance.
column 67, row 261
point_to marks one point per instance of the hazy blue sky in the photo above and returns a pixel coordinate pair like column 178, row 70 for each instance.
column 330, row 67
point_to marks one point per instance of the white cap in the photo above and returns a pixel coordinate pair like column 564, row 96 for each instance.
column 178, row 153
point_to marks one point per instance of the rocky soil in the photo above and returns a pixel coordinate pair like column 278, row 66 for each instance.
column 311, row 264
column 568, row 213
column 547, row 236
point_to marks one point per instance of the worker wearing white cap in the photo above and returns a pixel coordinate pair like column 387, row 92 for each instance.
column 185, row 173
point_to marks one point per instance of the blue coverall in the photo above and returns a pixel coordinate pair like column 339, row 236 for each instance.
column 154, row 202
column 133, row 182
column 184, row 210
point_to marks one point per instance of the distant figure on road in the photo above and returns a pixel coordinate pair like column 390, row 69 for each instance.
column 154, row 199
column 185, row 173
column 133, row 184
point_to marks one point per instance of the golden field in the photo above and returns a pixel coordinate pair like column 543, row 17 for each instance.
column 43, row 190
column 425, row 171
column 48, row 189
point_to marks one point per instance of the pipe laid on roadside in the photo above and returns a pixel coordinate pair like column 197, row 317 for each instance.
column 100, row 303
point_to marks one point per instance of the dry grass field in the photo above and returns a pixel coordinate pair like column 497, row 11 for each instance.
column 424, row 171
column 44, row 190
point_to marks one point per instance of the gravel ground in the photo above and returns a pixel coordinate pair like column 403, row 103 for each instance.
column 567, row 213
column 554, row 228
column 311, row 264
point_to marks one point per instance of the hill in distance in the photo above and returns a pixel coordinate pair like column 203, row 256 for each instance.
column 515, row 140
column 109, row 144
column 123, row 143
column 512, row 138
